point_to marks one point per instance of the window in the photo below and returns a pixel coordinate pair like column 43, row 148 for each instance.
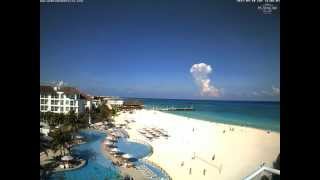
column 43, row 95
column 52, row 101
column 55, row 108
column 61, row 96
column 42, row 108
column 56, row 102
column 45, row 108
column 67, row 102
column 67, row 108
column 61, row 102
column 52, row 109
column 55, row 96
column 43, row 101
column 71, row 103
column 61, row 109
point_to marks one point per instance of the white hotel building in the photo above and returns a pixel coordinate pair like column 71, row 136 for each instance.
column 63, row 99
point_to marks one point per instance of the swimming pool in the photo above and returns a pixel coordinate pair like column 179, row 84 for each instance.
column 97, row 167
column 136, row 149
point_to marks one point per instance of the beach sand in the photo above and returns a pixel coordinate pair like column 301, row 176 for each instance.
column 237, row 153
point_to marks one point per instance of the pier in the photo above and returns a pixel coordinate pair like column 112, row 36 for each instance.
column 175, row 109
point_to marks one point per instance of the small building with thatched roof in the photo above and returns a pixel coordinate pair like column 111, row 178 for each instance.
column 131, row 104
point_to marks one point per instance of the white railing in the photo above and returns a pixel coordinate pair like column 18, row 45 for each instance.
column 158, row 167
column 260, row 171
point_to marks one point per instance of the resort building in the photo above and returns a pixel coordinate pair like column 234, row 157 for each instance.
column 113, row 101
column 132, row 104
column 63, row 99
column 107, row 100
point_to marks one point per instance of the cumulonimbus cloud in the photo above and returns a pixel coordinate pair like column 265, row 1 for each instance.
column 200, row 73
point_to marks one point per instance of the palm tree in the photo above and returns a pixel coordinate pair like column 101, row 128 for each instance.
column 72, row 121
column 43, row 144
column 61, row 139
column 83, row 120
column 105, row 112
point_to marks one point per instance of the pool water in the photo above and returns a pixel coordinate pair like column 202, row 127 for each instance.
column 97, row 167
column 137, row 150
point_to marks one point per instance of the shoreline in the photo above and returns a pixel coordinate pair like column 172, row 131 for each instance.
column 238, row 150
column 213, row 121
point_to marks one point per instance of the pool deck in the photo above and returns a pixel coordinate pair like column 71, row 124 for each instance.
column 124, row 171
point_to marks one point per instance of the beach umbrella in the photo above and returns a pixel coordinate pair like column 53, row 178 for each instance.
column 98, row 123
column 141, row 131
column 149, row 136
column 108, row 143
column 115, row 150
column 110, row 138
column 66, row 158
column 79, row 137
column 127, row 156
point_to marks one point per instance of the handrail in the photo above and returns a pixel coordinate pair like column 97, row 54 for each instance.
column 261, row 169
column 160, row 168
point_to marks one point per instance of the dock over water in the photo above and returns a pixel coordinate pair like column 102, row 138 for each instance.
column 176, row 109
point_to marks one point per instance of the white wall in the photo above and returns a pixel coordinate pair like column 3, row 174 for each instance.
column 66, row 107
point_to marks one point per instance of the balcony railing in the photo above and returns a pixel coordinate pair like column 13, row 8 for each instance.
column 262, row 171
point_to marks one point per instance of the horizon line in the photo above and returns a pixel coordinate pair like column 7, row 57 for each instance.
column 203, row 99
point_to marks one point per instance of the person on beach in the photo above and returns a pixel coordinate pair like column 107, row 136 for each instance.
column 190, row 171
column 204, row 172
column 182, row 163
column 213, row 157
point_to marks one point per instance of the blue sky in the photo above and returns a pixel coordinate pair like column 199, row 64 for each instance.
column 147, row 48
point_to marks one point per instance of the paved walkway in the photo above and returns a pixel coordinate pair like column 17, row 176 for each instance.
column 133, row 172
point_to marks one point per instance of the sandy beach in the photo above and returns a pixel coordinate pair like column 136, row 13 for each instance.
column 236, row 153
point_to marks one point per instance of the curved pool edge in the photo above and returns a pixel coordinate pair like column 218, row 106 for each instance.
column 82, row 164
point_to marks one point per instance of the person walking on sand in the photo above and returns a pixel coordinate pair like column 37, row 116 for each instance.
column 190, row 171
column 204, row 172
column 213, row 157
column 182, row 163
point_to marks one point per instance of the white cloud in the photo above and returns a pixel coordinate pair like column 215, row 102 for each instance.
column 275, row 91
column 255, row 93
column 200, row 73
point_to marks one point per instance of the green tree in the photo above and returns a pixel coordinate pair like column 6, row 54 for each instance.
column 44, row 145
column 83, row 120
column 72, row 121
column 105, row 113
column 61, row 139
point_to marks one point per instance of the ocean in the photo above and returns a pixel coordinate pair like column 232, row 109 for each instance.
column 261, row 115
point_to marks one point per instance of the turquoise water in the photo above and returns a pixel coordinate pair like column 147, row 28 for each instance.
column 135, row 149
column 262, row 115
column 97, row 167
